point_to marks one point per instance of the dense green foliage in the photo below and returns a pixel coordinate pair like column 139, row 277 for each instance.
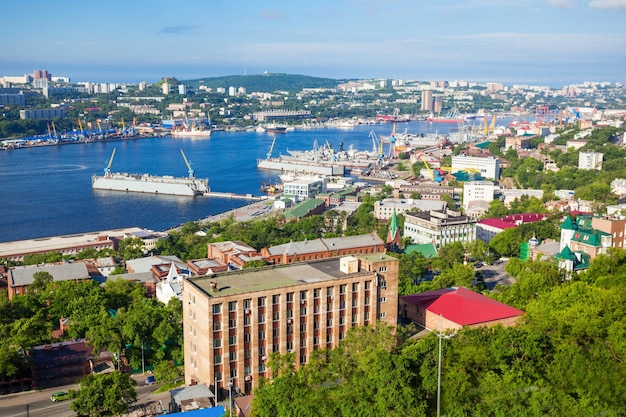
column 119, row 318
column 104, row 395
column 267, row 83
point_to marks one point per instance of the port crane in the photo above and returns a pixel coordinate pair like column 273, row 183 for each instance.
column 269, row 153
column 189, row 168
column 107, row 170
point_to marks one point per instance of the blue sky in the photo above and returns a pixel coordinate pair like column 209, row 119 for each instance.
column 549, row 42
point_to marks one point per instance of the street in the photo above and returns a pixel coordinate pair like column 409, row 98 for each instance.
column 496, row 275
column 38, row 404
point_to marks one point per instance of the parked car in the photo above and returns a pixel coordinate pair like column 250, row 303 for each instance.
column 60, row 396
column 150, row 380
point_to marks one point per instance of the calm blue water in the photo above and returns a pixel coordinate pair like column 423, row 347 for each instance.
column 47, row 190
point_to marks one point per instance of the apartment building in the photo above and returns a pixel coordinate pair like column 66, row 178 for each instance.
column 487, row 167
column 439, row 227
column 234, row 321
column 384, row 209
column 478, row 190
column 590, row 160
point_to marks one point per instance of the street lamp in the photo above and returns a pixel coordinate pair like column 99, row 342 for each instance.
column 230, row 397
column 441, row 336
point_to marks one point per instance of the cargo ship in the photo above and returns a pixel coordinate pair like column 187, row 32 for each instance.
column 152, row 184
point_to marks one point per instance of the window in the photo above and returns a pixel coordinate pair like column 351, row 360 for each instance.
column 290, row 313
column 302, row 359
column 217, row 308
column 275, row 332
column 289, row 296
column 382, row 283
column 247, row 303
column 275, row 299
column 261, row 352
column 382, row 269
column 261, row 318
column 247, row 337
column 316, row 309
column 232, row 323
column 316, row 325
column 217, row 343
column 329, row 322
column 329, row 307
column 302, row 327
column 382, row 315
column 368, row 284
column 316, row 341
column 192, row 330
column 329, row 291
column 232, row 305
column 217, row 359
column 246, row 320
column 218, row 376
column 192, row 346
column 342, row 320
column 329, row 338
column 382, row 299
column 232, row 340
column 342, row 305
column 316, row 293
column 246, row 370
column 354, row 302
column 355, row 286
column 261, row 334
column 275, row 315
column 217, row 325
column 261, row 301
column 275, row 348
column 261, row 367
column 289, row 346
column 303, row 295
column 232, row 356
column 354, row 318
column 233, row 372
column 302, row 311
column 342, row 289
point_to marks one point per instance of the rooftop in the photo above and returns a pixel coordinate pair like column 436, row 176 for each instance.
column 266, row 278
column 23, row 275
column 322, row 245
column 462, row 306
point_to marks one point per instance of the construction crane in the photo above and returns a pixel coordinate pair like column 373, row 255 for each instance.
column 80, row 125
column 269, row 153
column 54, row 129
column 189, row 168
column 107, row 170
column 434, row 176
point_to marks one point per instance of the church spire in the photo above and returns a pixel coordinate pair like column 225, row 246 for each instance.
column 394, row 239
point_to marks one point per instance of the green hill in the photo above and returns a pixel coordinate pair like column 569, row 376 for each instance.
column 266, row 83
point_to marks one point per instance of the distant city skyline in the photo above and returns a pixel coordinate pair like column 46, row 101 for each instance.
column 554, row 42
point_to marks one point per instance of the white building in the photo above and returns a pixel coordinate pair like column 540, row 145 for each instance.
column 487, row 167
column 590, row 160
column 478, row 190
column 618, row 186
column 439, row 227
column 510, row 195
column 170, row 287
column 383, row 210
column 305, row 187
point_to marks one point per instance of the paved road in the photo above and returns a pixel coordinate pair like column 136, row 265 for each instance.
column 496, row 275
column 40, row 405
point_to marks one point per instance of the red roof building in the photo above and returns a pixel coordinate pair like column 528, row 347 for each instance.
column 454, row 308
column 486, row 229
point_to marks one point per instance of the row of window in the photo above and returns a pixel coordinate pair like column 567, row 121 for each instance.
column 261, row 301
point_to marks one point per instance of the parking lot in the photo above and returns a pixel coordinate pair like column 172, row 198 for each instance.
column 496, row 275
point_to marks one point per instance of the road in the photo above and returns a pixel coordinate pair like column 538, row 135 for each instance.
column 38, row 404
column 496, row 275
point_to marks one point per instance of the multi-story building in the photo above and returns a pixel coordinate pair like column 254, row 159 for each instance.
column 323, row 248
column 426, row 191
column 478, row 190
column 427, row 100
column 439, row 227
column 590, row 160
column 487, row 167
column 234, row 321
column 384, row 209
column 304, row 188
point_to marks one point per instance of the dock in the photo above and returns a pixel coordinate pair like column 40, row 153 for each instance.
column 236, row 196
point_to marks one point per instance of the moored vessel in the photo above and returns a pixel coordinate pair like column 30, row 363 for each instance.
column 152, row 184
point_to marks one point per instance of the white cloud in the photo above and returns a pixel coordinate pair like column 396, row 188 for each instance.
column 608, row 4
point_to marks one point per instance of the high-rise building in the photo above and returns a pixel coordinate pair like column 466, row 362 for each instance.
column 590, row 160
column 233, row 321
column 427, row 100
column 42, row 75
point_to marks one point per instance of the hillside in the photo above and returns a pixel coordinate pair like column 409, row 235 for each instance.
column 266, row 82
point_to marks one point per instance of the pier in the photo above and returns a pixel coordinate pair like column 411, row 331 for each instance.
column 237, row 196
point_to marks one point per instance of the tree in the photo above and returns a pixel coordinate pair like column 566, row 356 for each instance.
column 131, row 248
column 40, row 280
column 104, row 395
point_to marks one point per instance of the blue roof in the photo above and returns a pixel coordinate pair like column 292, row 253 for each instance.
column 218, row 411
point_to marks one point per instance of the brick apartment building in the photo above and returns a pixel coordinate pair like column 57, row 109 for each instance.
column 234, row 321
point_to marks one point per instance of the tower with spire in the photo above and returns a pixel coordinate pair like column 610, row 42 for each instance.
column 394, row 238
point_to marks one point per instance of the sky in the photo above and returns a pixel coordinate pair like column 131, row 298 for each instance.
column 537, row 42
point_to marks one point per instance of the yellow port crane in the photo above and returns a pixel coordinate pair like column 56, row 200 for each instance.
column 189, row 168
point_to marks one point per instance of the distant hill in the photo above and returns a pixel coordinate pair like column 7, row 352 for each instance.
column 266, row 83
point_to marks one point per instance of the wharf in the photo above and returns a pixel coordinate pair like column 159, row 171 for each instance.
column 237, row 196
